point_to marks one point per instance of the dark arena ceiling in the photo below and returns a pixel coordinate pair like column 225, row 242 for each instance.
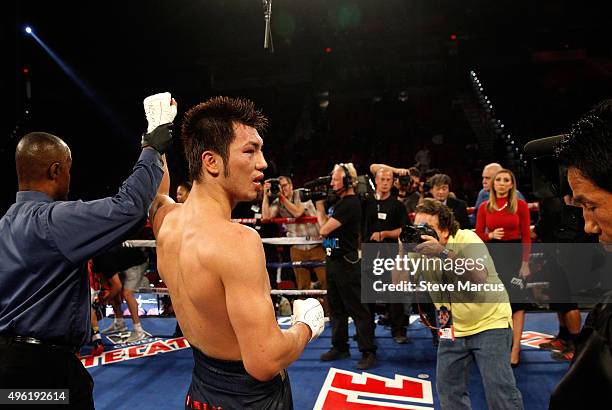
column 542, row 63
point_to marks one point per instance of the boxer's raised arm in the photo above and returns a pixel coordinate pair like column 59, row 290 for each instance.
column 158, row 209
column 264, row 347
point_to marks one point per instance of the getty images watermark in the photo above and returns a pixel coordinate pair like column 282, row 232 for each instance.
column 479, row 273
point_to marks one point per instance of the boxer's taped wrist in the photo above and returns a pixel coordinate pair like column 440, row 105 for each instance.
column 310, row 329
column 160, row 138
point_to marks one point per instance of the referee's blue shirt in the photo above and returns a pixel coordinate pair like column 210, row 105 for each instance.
column 44, row 248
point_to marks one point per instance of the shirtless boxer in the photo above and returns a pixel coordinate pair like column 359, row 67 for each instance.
column 215, row 269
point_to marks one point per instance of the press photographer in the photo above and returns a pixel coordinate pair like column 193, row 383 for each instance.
column 384, row 220
column 479, row 332
column 407, row 183
column 280, row 199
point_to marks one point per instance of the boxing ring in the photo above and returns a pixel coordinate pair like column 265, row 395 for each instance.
column 156, row 373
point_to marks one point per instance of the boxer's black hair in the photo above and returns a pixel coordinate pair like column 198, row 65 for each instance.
column 209, row 126
column 588, row 146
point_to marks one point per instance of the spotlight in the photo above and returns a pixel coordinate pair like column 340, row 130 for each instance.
column 28, row 29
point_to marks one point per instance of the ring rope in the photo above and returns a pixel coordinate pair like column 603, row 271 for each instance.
column 296, row 264
column 287, row 292
column 295, row 240
column 300, row 220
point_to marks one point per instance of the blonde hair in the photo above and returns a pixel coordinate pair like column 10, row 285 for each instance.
column 351, row 170
column 512, row 195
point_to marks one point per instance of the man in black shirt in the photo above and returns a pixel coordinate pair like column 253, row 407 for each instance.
column 587, row 153
column 385, row 219
column 341, row 233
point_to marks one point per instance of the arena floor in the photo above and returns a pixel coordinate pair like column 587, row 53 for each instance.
column 156, row 373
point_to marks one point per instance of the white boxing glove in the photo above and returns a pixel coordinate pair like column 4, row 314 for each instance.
column 159, row 110
column 309, row 312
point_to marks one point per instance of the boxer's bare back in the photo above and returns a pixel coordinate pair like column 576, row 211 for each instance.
column 215, row 269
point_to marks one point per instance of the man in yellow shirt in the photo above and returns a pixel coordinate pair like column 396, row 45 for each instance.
column 480, row 314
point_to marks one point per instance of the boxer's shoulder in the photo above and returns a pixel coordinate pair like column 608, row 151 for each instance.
column 244, row 235
column 163, row 217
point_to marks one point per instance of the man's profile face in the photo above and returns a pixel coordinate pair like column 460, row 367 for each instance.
column 487, row 177
column 434, row 222
column 245, row 163
column 286, row 188
column 440, row 192
column 596, row 204
column 336, row 180
column 384, row 181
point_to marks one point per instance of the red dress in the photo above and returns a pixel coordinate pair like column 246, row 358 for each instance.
column 516, row 226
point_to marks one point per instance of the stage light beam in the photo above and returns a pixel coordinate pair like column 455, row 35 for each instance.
column 81, row 84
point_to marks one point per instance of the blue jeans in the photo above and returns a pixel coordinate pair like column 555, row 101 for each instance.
column 491, row 352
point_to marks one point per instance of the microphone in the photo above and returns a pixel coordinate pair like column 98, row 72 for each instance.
column 543, row 146
column 267, row 6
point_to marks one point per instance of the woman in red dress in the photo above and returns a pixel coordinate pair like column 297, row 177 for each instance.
column 504, row 218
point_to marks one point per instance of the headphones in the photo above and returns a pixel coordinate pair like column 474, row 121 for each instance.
column 347, row 181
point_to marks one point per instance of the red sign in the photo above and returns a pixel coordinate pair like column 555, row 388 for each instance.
column 135, row 352
column 354, row 391
column 534, row 339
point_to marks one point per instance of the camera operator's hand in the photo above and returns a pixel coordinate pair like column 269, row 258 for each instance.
column 498, row 234
column 266, row 188
column 402, row 171
column 377, row 237
column 431, row 246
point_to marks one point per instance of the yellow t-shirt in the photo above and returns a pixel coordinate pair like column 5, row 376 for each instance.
column 492, row 311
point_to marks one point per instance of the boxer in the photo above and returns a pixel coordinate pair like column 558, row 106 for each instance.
column 215, row 269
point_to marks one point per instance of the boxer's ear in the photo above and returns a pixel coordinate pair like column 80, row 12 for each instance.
column 212, row 163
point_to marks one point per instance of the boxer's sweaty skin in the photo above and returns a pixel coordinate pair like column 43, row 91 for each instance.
column 215, row 269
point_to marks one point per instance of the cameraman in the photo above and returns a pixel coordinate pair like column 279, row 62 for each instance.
column 341, row 231
column 407, row 183
column 587, row 153
column 482, row 331
column 385, row 219
column 287, row 204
